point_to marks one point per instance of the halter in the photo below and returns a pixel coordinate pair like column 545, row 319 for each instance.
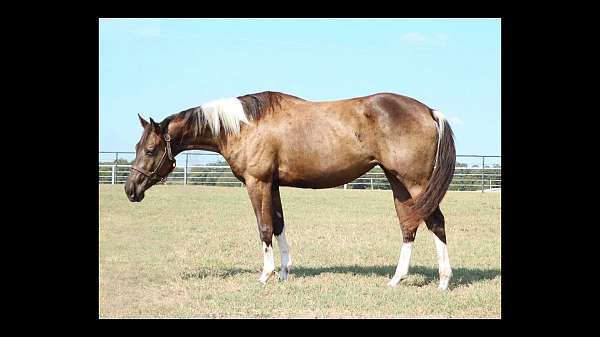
column 153, row 175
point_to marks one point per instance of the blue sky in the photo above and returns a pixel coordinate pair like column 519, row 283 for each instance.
column 158, row 67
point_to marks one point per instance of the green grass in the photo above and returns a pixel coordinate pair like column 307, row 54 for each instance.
column 194, row 251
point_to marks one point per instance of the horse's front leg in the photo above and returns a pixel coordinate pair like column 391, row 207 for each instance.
column 261, row 197
column 279, row 231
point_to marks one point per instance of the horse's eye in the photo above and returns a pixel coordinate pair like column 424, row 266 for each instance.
column 149, row 152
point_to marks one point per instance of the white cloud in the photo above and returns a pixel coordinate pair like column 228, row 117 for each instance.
column 455, row 120
column 438, row 39
column 414, row 37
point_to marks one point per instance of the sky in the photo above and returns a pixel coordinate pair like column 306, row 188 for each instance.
column 157, row 67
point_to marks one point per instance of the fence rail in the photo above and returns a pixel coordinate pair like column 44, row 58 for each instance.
column 465, row 178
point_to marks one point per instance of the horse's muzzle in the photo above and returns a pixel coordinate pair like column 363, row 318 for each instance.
column 132, row 193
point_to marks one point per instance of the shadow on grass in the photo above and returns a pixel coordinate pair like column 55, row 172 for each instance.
column 427, row 275
column 221, row 273
column 460, row 276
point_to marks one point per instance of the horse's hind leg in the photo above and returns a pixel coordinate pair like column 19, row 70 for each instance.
column 436, row 224
column 279, row 231
column 401, row 195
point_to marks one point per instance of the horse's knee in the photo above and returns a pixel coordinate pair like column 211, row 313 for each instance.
column 266, row 236
column 266, row 239
column 266, row 232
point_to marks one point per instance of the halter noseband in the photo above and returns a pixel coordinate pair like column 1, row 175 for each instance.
column 153, row 174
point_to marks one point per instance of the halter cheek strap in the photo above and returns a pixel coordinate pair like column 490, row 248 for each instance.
column 153, row 174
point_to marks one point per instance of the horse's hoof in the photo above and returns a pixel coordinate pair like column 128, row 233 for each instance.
column 265, row 277
column 393, row 283
column 395, row 280
column 444, row 282
column 284, row 273
column 443, row 287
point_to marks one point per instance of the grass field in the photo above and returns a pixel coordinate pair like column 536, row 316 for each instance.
column 194, row 251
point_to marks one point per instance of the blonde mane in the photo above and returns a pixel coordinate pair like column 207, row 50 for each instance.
column 227, row 113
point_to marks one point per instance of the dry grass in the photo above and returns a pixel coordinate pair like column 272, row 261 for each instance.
column 194, row 251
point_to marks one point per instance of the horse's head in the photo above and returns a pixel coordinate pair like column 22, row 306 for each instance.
column 153, row 160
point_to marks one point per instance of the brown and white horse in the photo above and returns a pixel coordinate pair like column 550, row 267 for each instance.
column 273, row 139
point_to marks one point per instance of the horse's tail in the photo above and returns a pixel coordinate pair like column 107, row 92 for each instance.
column 443, row 170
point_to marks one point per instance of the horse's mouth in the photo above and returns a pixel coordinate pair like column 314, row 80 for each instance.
column 135, row 198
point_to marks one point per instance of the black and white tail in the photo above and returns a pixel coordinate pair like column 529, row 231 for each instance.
column 443, row 171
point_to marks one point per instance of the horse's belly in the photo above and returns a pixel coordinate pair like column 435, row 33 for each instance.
column 318, row 174
column 322, row 153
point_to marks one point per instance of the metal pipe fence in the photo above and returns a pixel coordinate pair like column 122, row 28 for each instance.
column 466, row 178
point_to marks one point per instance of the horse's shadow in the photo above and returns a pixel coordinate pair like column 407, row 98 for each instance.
column 425, row 275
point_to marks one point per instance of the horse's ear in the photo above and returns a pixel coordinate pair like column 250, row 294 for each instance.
column 155, row 126
column 142, row 121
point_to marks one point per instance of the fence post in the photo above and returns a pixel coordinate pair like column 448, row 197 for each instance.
column 482, row 172
column 112, row 182
column 185, row 169
column 345, row 186
column 371, row 184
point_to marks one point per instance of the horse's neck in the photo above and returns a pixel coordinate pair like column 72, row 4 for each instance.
column 186, row 141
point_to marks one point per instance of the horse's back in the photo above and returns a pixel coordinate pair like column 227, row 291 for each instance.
column 369, row 118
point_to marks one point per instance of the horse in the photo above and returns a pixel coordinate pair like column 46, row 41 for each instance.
column 273, row 139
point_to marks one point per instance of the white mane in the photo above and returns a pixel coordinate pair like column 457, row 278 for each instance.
column 227, row 112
